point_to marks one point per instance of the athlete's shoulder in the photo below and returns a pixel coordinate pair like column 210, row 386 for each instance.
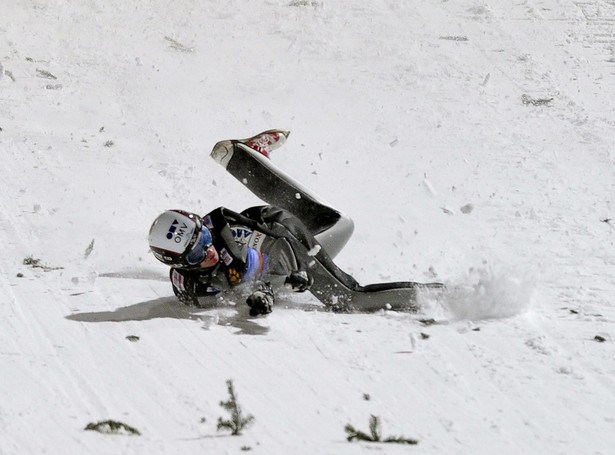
column 215, row 218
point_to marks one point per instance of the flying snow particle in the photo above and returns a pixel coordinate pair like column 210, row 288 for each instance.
column 314, row 251
column 429, row 187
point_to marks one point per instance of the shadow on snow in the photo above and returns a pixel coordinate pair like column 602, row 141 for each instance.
column 169, row 307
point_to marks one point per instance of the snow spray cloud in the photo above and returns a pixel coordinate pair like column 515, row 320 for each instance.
column 482, row 294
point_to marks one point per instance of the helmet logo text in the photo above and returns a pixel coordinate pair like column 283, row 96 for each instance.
column 176, row 232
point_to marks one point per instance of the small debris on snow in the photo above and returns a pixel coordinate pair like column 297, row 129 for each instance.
column 132, row 338
column 89, row 249
column 454, row 38
column 429, row 321
column 599, row 339
column 447, row 210
column 466, row 209
column 178, row 46
column 44, row 74
column 298, row 3
column 36, row 263
column 394, row 142
column 424, row 336
column 527, row 100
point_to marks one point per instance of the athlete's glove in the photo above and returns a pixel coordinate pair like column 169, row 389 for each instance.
column 261, row 300
column 184, row 288
column 299, row 281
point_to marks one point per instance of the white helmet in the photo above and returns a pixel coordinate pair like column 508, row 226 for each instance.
column 174, row 236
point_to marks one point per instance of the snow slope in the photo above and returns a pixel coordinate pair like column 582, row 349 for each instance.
column 472, row 142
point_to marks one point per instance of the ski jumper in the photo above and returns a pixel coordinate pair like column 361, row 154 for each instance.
column 295, row 232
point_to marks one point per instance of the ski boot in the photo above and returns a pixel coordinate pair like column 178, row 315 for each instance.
column 263, row 143
column 267, row 141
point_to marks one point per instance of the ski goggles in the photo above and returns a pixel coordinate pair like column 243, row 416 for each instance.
column 198, row 253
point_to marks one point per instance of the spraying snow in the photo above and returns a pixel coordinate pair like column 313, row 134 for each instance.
column 483, row 293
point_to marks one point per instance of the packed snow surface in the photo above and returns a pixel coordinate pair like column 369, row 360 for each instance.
column 472, row 142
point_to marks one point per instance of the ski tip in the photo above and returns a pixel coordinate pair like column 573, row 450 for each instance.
column 222, row 152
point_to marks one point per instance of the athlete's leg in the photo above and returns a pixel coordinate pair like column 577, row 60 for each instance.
column 330, row 227
column 335, row 238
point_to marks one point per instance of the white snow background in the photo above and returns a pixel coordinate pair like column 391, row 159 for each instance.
column 472, row 142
